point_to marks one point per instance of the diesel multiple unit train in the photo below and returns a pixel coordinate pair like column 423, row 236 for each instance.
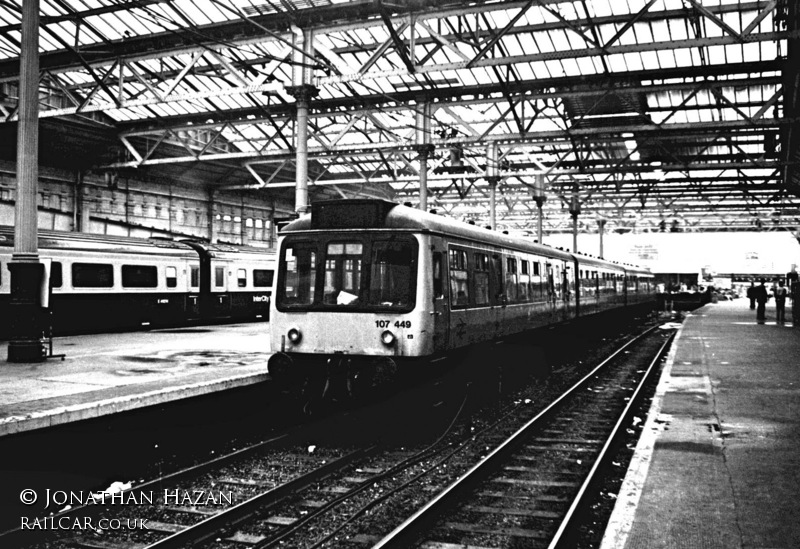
column 364, row 286
column 102, row 283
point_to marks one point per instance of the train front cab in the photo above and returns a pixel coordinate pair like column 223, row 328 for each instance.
column 351, row 300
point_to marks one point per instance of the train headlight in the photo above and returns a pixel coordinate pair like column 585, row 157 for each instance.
column 388, row 338
column 294, row 335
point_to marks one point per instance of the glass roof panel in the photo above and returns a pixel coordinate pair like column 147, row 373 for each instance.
column 182, row 29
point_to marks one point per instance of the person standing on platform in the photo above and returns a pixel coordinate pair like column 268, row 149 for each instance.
column 794, row 291
column 751, row 294
column 761, row 299
column 780, row 293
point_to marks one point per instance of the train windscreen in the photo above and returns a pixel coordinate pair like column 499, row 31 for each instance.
column 356, row 273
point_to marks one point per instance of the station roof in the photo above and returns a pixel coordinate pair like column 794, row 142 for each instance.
column 648, row 115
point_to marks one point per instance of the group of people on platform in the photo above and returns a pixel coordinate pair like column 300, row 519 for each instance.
column 759, row 296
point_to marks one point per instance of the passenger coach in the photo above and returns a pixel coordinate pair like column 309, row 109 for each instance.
column 366, row 283
column 101, row 283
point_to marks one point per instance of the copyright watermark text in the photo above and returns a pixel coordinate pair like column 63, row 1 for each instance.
column 82, row 523
column 61, row 498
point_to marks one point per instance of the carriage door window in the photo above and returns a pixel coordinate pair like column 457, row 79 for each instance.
column 172, row 277
column 537, row 288
column 194, row 276
column 556, row 278
column 459, row 279
column 219, row 277
column 524, row 280
column 511, row 279
column 568, row 283
column 56, row 276
column 496, row 277
column 438, row 285
column 241, row 278
column 481, row 274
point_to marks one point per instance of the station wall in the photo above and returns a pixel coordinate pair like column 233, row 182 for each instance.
column 96, row 203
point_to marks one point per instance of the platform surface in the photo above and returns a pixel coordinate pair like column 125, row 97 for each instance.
column 718, row 463
column 109, row 373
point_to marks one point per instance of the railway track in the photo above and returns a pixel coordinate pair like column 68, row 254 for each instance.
column 181, row 509
column 280, row 494
column 529, row 489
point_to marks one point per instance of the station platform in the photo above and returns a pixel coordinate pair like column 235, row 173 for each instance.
column 109, row 373
column 717, row 464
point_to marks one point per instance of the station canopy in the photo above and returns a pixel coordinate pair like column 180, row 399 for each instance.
column 644, row 115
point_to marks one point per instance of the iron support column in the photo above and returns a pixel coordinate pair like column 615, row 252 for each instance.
column 303, row 91
column 301, row 153
column 493, row 177
column 601, row 229
column 302, row 94
column 574, row 233
column 575, row 211
column 493, row 203
column 423, row 147
column 212, row 218
column 423, row 154
column 540, row 222
column 27, row 273
column 540, row 198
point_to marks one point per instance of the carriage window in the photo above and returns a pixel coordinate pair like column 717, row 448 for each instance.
column 343, row 263
column 299, row 265
column 459, row 278
column 481, row 274
column 56, row 276
column 219, row 277
column 139, row 276
column 194, row 276
column 392, row 268
column 172, row 277
column 262, row 278
column 241, row 278
column 92, row 275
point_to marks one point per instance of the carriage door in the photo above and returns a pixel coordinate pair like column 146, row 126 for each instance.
column 220, row 297
column 440, row 312
column 551, row 289
column 193, row 296
column 568, row 287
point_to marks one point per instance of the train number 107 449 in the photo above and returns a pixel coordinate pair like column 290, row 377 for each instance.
column 397, row 324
